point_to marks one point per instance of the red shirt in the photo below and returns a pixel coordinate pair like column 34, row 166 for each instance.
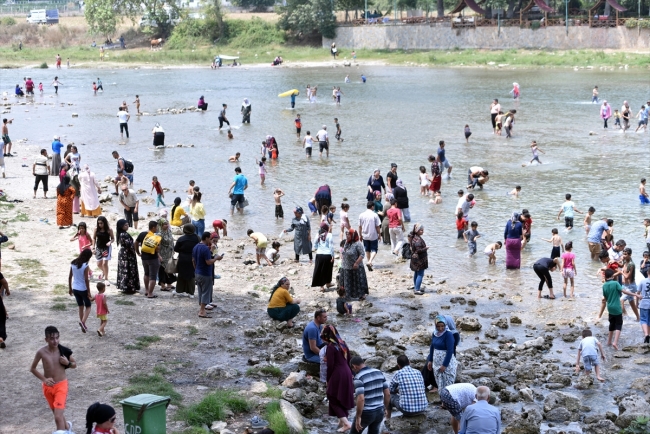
column 217, row 224
column 461, row 224
column 527, row 224
column 157, row 186
column 394, row 217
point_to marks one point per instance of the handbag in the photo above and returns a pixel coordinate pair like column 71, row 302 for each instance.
column 406, row 251
column 244, row 204
column 172, row 266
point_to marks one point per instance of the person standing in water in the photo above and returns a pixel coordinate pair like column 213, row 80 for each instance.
column 594, row 95
column 495, row 108
column 222, row 116
column 605, row 113
column 643, row 195
column 246, row 110
column 56, row 83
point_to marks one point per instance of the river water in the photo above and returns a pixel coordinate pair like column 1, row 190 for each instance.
column 398, row 116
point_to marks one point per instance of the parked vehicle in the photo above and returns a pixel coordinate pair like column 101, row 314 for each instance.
column 43, row 16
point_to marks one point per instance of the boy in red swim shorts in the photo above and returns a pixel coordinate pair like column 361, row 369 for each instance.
column 56, row 359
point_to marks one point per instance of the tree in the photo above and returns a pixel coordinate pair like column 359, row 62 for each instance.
column 101, row 17
column 258, row 5
column 305, row 16
column 441, row 9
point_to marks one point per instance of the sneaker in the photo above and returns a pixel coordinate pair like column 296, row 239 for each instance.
column 258, row 422
column 174, row 293
column 418, row 292
column 191, row 296
column 647, row 340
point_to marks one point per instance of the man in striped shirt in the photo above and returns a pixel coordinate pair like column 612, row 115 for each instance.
column 371, row 395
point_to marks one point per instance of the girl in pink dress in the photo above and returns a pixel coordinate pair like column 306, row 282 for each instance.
column 568, row 266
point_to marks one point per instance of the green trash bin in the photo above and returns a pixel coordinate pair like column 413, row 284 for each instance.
column 145, row 414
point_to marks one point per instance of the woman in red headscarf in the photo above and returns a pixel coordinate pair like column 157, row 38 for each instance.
column 340, row 388
column 353, row 275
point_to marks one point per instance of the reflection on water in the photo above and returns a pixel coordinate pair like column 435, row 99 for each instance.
column 398, row 116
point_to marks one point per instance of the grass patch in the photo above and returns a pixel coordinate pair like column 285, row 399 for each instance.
column 142, row 342
column 124, row 302
column 154, row 384
column 5, row 205
column 276, row 419
column 60, row 289
column 212, row 408
column 58, row 306
column 272, row 392
column 31, row 274
column 269, row 370
column 192, row 330
column 20, row 217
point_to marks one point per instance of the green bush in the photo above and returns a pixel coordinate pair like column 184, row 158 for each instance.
column 639, row 426
column 252, row 33
column 44, row 65
column 213, row 407
column 535, row 25
column 633, row 23
column 8, row 21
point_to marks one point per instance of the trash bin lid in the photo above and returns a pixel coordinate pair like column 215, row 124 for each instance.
column 145, row 400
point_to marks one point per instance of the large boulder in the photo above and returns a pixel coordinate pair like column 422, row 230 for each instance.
column 293, row 395
column 630, row 408
column 414, row 424
column 535, row 343
column 559, row 414
column 561, row 399
column 312, row 369
column 642, row 384
column 527, row 421
column 468, row 323
column 379, row 319
column 294, row 380
column 603, row 426
column 294, row 419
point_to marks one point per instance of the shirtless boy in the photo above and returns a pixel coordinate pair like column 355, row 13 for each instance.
column 56, row 359
column 279, row 212
column 234, row 158
column 5, row 137
column 643, row 195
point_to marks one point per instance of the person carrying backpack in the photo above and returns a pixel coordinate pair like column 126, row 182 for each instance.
column 124, row 170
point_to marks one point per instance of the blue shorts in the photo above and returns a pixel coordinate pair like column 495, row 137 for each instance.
column 645, row 316
column 644, row 200
column 632, row 288
column 590, row 362
column 371, row 246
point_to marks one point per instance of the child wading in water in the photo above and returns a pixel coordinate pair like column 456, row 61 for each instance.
column 345, row 221
column 569, row 270
column 470, row 238
column 588, row 349
column 279, row 212
column 160, row 194
column 491, row 250
column 556, row 240
column 56, row 359
column 424, row 181
column 102, row 308
column 461, row 224
column 468, row 133
column 262, row 169
column 587, row 221
column 535, row 150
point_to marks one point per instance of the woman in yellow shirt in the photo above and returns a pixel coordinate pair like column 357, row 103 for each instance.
column 197, row 212
column 282, row 306
column 177, row 213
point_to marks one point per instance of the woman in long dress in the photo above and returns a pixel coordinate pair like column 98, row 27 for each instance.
column 513, row 236
column 441, row 358
column 324, row 259
column 128, row 279
column 419, row 257
column 375, row 183
column 166, row 252
column 64, row 197
column 246, row 109
column 185, row 269
column 302, row 237
column 340, row 388
column 90, row 190
column 353, row 275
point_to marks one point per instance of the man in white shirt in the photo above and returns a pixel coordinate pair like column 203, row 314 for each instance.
column 495, row 108
column 323, row 141
column 41, row 170
column 370, row 232
column 124, row 117
column 465, row 204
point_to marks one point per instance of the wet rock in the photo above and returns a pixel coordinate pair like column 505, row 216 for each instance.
column 254, row 333
column 526, row 421
column 508, row 396
column 312, row 369
column 559, row 414
column 565, row 380
column 642, row 384
column 492, row 333
column 293, row 395
column 295, row 379
column 562, row 399
column 220, row 372
column 479, row 372
column 602, row 426
column 404, row 424
column 258, row 387
column 571, row 335
column 217, row 426
column 375, row 362
column 389, row 365
column 294, row 419
column 515, row 320
column 252, row 361
column 535, row 343
column 526, row 395
column 379, row 319
column 630, row 408
column 471, row 302
column 105, row 197
column 421, row 337
column 468, row 323
column 639, row 349
column 459, row 300
column 584, row 382
column 502, row 323
column 396, row 327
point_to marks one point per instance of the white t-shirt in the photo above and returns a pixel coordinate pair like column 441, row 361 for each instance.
column 369, row 220
column 464, row 393
column 124, row 116
column 41, row 165
column 464, row 206
column 309, row 141
column 496, row 109
column 322, row 136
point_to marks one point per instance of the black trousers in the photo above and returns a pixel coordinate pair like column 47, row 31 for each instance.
column 544, row 276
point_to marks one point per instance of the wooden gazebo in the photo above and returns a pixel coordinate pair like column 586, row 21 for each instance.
column 604, row 21
column 463, row 22
column 541, row 5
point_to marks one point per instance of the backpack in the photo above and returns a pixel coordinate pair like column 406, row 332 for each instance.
column 128, row 166
column 406, row 251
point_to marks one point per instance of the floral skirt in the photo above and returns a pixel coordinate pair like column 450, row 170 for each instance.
column 354, row 282
column 444, row 379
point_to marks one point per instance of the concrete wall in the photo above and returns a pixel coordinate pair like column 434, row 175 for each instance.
column 430, row 37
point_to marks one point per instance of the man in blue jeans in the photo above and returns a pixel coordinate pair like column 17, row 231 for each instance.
column 372, row 397
column 311, row 341
column 239, row 184
column 370, row 232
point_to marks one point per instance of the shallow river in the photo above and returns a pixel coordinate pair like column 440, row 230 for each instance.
column 398, row 116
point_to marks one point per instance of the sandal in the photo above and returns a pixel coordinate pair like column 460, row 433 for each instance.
column 548, row 297
column 205, row 316
column 153, row 296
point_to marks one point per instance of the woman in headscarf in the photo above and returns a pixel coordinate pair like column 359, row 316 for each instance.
column 184, row 267
column 441, row 358
column 202, row 105
column 64, row 197
column 353, row 275
column 324, row 258
column 166, row 252
column 102, row 416
column 385, row 230
column 282, row 306
column 246, row 111
column 302, row 237
column 419, row 257
column 401, row 196
column 340, row 388
column 375, row 183
column 73, row 173
column 128, row 278
column 90, row 191
column 158, row 136
column 513, row 235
